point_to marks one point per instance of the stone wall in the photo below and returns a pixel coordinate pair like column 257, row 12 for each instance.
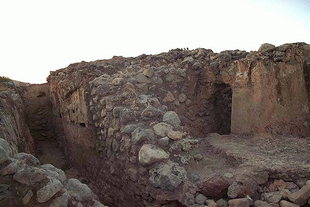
column 13, row 127
column 127, row 121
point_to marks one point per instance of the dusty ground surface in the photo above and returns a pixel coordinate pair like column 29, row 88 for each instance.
column 48, row 151
column 279, row 155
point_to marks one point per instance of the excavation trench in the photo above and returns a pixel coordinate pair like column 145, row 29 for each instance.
column 40, row 122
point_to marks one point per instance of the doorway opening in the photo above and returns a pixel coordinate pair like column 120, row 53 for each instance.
column 222, row 98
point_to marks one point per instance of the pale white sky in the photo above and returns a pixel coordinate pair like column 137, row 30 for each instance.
column 37, row 36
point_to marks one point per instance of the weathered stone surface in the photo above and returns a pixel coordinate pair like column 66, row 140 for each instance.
column 29, row 175
column 300, row 197
column 13, row 167
column 150, row 154
column 151, row 112
column 171, row 117
column 211, row 203
column 79, row 191
column 54, row 172
column 27, row 159
column 284, row 203
column 61, row 201
column 200, row 198
column 5, row 150
column 240, row 202
column 215, row 187
column 260, row 203
column 27, row 197
column 167, row 175
column 242, row 187
column 272, row 197
column 49, row 190
column 222, row 203
column 266, row 47
column 162, row 129
column 139, row 135
column 164, row 141
column 175, row 135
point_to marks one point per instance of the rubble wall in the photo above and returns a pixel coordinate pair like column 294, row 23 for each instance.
column 123, row 119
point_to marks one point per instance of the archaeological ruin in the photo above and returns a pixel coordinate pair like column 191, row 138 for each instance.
column 184, row 128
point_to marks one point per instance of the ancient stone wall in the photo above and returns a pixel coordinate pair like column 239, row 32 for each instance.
column 132, row 122
column 13, row 127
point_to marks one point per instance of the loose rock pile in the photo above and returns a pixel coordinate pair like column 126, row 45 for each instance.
column 24, row 182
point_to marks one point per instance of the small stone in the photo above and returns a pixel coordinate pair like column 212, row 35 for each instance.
column 49, row 190
column 215, row 187
column 176, row 135
column 150, row 154
column 141, row 78
column 169, row 97
column 139, row 135
column 182, row 98
column 291, row 186
column 266, row 47
column 272, row 197
column 117, row 81
column 4, row 154
column 149, row 72
column 129, row 128
column 242, row 187
column 200, row 198
column 198, row 157
column 164, row 141
column 228, row 175
column 260, row 203
column 300, row 197
column 98, row 204
column 168, row 175
column 27, row 197
column 308, row 182
column 211, row 203
column 162, row 129
column 171, row 117
column 151, row 112
column 284, row 203
column 239, row 202
column 222, row 203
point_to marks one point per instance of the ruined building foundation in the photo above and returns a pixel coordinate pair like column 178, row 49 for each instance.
column 183, row 128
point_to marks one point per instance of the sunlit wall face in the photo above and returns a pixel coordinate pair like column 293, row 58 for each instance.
column 39, row 36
